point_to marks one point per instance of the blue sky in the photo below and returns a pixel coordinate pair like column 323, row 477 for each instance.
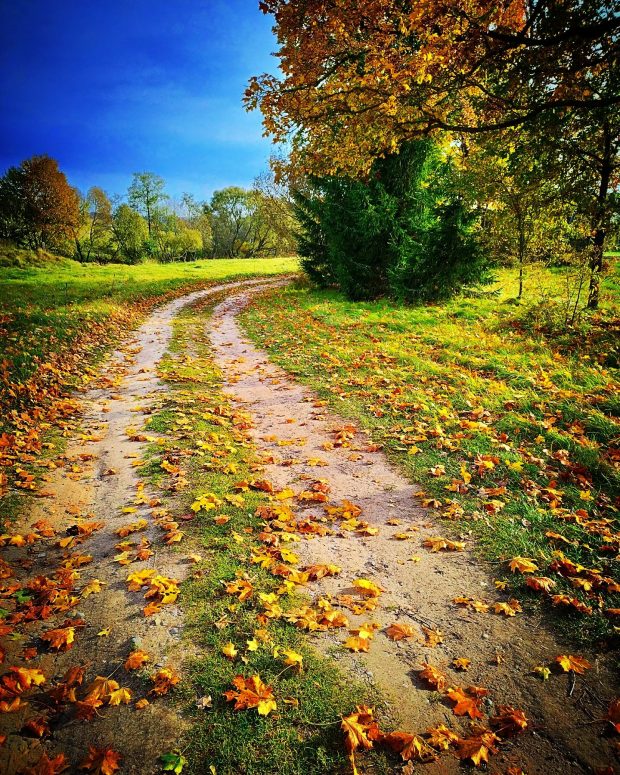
column 114, row 87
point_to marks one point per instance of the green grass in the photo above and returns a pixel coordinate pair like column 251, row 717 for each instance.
column 63, row 283
column 203, row 431
column 477, row 377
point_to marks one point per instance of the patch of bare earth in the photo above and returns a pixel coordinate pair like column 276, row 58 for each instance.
column 93, row 481
column 291, row 428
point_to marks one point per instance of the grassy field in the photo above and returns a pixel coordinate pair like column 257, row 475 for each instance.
column 508, row 421
column 57, row 318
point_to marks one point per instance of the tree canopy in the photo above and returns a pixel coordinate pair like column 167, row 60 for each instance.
column 359, row 78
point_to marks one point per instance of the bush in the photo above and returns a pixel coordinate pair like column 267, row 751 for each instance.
column 401, row 233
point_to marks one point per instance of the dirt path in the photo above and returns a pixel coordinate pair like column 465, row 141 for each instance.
column 291, row 427
column 94, row 480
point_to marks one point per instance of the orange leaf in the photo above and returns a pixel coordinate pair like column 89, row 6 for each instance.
column 136, row 660
column 477, row 748
column 400, row 631
column 410, row 747
column 251, row 693
column 570, row 664
column 540, row 583
column 432, row 637
column 465, row 705
column 432, row 676
column 60, row 639
column 102, row 761
column 164, row 680
column 509, row 722
column 441, row 737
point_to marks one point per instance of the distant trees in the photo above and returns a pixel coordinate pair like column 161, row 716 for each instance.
column 146, row 196
column 244, row 223
column 38, row 207
column 129, row 235
column 194, row 214
column 175, row 239
column 92, row 235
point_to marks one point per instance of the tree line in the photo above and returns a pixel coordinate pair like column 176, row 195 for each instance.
column 429, row 140
column 39, row 209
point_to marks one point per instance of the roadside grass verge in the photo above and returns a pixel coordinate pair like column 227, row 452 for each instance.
column 206, row 452
column 56, row 321
column 512, row 434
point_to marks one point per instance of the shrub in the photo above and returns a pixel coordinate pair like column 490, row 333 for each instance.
column 401, row 233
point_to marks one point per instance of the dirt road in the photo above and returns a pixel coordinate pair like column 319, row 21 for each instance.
column 419, row 585
column 95, row 479
column 96, row 483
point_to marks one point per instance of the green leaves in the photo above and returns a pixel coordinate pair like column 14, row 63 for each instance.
column 173, row 761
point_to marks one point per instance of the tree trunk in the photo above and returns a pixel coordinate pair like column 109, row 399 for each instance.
column 599, row 230
column 521, row 227
column 78, row 250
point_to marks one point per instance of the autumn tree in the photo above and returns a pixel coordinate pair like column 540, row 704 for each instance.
column 359, row 78
column 520, row 207
column 582, row 153
column 38, row 207
column 146, row 195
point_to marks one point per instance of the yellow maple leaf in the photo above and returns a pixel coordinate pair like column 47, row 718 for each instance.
column 523, row 565
column 229, row 650
column 367, row 588
column 119, row 696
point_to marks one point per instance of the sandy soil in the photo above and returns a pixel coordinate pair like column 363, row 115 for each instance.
column 291, row 427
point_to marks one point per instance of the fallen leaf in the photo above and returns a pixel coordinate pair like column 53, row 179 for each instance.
column 229, row 650
column 433, row 676
column 570, row 664
column 173, row 762
column 251, row 693
column 523, row 565
column 400, row 631
column 136, row 660
column 465, row 704
column 101, row 761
